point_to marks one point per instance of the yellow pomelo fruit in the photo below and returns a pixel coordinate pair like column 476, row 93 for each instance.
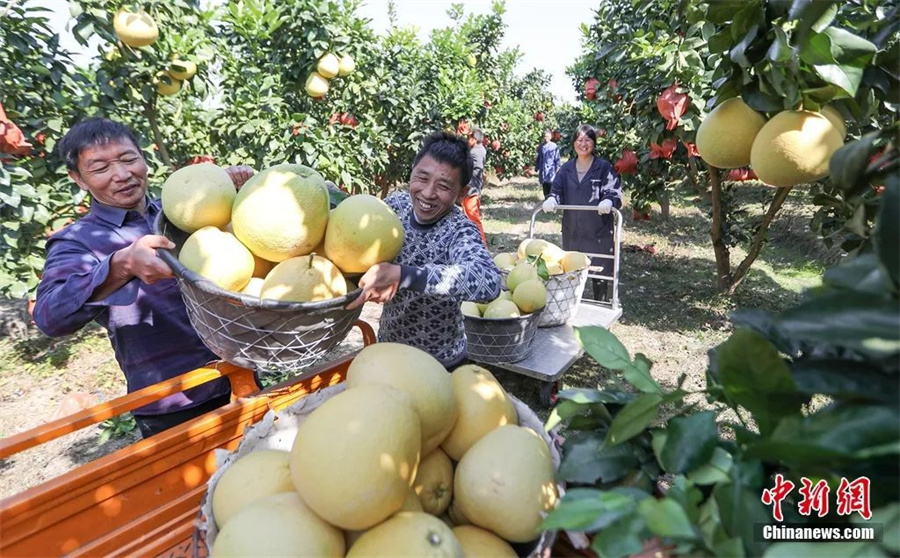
column 470, row 309
column 521, row 273
column 328, row 66
column 530, row 296
column 726, row 135
column 554, row 268
column 182, row 69
column 251, row 478
column 794, row 147
column 836, row 119
column 261, row 267
column 219, row 257
column 365, row 478
column 135, row 29
column 520, row 251
column 502, row 308
column 483, row 406
column 548, row 251
column 281, row 212
column 166, row 84
column 198, row 196
column 278, row 525
column 416, row 373
column 505, row 482
column 434, row 482
column 362, row 232
column 346, row 65
column 254, row 287
column 479, row 543
column 304, row 279
column 408, row 534
column 316, row 85
column 574, row 261
column 505, row 260
column 535, row 247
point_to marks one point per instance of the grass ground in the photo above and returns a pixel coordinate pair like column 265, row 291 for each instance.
column 672, row 314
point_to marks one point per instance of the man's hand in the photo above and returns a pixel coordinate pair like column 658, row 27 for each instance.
column 604, row 207
column 379, row 284
column 240, row 174
column 141, row 261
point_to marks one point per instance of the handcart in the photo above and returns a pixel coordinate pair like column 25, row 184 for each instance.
column 556, row 348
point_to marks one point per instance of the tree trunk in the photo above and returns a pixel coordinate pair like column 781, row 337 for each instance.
column 723, row 257
column 664, row 205
column 150, row 113
column 693, row 175
column 758, row 239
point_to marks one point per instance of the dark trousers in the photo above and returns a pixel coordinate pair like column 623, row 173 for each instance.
column 154, row 424
column 546, row 186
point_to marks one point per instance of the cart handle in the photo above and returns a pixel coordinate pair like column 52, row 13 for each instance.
column 617, row 240
column 243, row 384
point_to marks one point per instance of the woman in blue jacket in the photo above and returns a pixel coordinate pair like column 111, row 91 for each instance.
column 587, row 179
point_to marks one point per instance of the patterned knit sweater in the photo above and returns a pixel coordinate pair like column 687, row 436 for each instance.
column 442, row 264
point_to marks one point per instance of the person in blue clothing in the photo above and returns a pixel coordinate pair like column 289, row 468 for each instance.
column 588, row 179
column 547, row 162
column 104, row 268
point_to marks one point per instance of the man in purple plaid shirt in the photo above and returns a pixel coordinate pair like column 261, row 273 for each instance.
column 104, row 268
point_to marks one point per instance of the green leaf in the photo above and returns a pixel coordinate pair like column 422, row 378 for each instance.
column 848, row 164
column 666, row 518
column 837, row 434
column 587, row 459
column 887, row 229
column 622, row 538
column 738, row 52
column 809, row 14
column 720, row 42
column 845, row 380
column 606, row 349
column 740, row 509
column 691, row 442
column 715, row 471
column 780, row 50
column 583, row 396
column 846, row 319
column 634, row 418
column 754, row 376
column 847, row 47
column 590, row 512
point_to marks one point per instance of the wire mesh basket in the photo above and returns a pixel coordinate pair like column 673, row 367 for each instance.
column 564, row 293
column 261, row 334
column 493, row 340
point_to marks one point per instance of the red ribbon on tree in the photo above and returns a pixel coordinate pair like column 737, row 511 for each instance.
column 740, row 175
column 12, row 140
column 627, row 163
column 590, row 88
column 672, row 105
column 691, row 149
column 665, row 150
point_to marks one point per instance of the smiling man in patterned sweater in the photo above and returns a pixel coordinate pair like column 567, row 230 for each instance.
column 443, row 261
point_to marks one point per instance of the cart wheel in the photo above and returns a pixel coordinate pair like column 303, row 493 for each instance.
column 547, row 396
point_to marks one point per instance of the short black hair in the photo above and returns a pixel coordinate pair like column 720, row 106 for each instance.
column 587, row 130
column 478, row 134
column 448, row 149
column 91, row 132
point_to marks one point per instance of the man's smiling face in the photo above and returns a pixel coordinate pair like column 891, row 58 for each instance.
column 434, row 188
column 114, row 173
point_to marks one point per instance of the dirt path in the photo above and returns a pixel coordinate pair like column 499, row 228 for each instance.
column 672, row 314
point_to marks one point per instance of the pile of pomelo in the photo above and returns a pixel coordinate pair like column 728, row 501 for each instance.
column 526, row 292
column 328, row 67
column 407, row 461
column 792, row 147
column 276, row 238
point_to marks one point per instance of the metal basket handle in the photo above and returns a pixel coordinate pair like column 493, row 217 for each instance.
column 617, row 241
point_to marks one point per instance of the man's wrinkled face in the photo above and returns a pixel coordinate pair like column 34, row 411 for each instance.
column 114, row 173
column 434, row 188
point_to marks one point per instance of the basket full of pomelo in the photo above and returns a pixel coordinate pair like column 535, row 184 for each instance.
column 564, row 275
column 402, row 459
column 265, row 272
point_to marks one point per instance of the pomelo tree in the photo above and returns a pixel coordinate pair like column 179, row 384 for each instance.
column 776, row 56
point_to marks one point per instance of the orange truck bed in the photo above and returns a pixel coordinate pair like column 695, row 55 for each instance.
column 143, row 500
